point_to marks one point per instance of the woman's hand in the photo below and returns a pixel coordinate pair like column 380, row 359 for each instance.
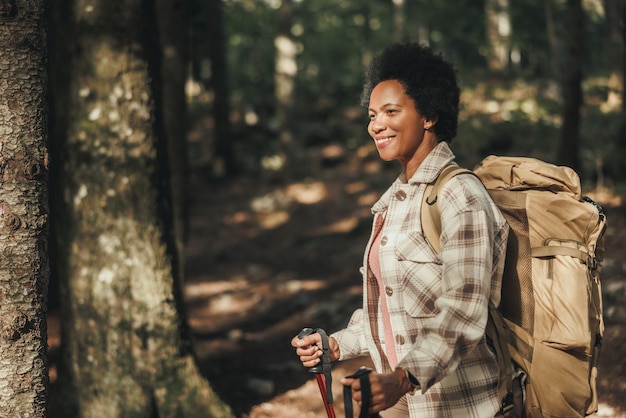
column 386, row 389
column 309, row 349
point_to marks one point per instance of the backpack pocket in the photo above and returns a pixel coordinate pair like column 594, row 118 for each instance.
column 562, row 287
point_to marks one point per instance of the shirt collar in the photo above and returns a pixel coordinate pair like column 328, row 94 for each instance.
column 427, row 172
column 435, row 161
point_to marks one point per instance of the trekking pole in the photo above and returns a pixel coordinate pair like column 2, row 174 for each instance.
column 363, row 375
column 322, row 371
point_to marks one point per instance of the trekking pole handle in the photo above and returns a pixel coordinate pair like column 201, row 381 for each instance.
column 302, row 334
column 324, row 367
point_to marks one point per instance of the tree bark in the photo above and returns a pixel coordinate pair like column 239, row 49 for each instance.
column 399, row 21
column 23, row 210
column 367, row 54
column 498, row 34
column 614, row 52
column 225, row 162
column 124, row 350
column 172, row 16
column 553, row 40
column 622, row 133
column 572, row 90
column 286, row 69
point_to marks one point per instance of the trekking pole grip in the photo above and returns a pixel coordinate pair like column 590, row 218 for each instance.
column 363, row 375
column 325, row 364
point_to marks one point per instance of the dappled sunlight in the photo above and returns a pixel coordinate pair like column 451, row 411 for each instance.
column 355, row 187
column 605, row 197
column 368, row 199
column 236, row 218
column 274, row 219
column 501, row 102
column 206, row 289
column 344, row 225
column 307, row 193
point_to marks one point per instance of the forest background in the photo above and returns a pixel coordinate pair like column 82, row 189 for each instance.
column 207, row 177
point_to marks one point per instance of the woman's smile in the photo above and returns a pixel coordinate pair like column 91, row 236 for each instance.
column 383, row 141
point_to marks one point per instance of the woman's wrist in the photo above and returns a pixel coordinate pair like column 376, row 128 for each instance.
column 335, row 350
column 410, row 384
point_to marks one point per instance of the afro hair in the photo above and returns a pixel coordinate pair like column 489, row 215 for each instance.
column 427, row 78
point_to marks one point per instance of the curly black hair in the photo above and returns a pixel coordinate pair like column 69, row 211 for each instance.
column 427, row 78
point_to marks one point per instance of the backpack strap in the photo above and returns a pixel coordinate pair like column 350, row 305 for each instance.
column 497, row 332
column 430, row 213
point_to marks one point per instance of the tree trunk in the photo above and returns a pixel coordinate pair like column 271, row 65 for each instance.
column 553, row 41
column 367, row 54
column 614, row 53
column 124, row 349
column 399, row 20
column 286, row 69
column 572, row 90
column 23, row 210
column 622, row 134
column 172, row 16
column 225, row 162
column 498, row 34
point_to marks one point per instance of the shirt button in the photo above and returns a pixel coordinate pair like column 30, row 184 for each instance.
column 388, row 290
column 400, row 195
column 384, row 240
column 399, row 339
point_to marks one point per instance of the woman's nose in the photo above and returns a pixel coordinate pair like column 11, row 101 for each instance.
column 376, row 125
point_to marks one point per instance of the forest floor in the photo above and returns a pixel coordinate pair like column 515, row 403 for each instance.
column 266, row 258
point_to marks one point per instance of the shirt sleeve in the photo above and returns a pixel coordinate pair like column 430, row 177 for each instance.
column 467, row 243
column 351, row 339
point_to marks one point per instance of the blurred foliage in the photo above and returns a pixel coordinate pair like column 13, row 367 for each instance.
column 512, row 112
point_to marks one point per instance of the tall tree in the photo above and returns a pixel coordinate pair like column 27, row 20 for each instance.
column 399, row 20
column 614, row 51
column 553, row 40
column 224, row 150
column 171, row 17
column 498, row 18
column 622, row 134
column 285, row 72
column 569, row 153
column 23, row 210
column 125, row 352
column 367, row 53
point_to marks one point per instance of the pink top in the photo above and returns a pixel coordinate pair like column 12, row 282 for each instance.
column 374, row 263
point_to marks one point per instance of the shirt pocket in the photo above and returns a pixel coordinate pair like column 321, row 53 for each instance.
column 419, row 269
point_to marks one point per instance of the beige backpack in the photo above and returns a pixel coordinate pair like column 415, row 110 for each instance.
column 551, row 294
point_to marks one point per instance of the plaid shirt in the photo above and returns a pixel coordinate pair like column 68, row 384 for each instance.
column 437, row 302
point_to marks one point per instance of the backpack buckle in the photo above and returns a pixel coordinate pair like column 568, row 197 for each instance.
column 592, row 263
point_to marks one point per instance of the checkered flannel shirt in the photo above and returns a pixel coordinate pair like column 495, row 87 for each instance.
column 437, row 302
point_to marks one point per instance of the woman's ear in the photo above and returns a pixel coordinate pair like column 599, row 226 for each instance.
column 429, row 123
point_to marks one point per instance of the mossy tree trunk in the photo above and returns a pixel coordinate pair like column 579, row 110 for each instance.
column 125, row 352
column 23, row 210
column 171, row 18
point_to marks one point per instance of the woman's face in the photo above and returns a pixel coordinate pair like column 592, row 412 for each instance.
column 396, row 126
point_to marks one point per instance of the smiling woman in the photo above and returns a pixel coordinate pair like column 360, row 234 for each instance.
column 424, row 314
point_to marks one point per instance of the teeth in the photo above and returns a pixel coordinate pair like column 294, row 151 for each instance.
column 384, row 140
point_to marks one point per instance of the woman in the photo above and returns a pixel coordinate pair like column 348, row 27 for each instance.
column 424, row 314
